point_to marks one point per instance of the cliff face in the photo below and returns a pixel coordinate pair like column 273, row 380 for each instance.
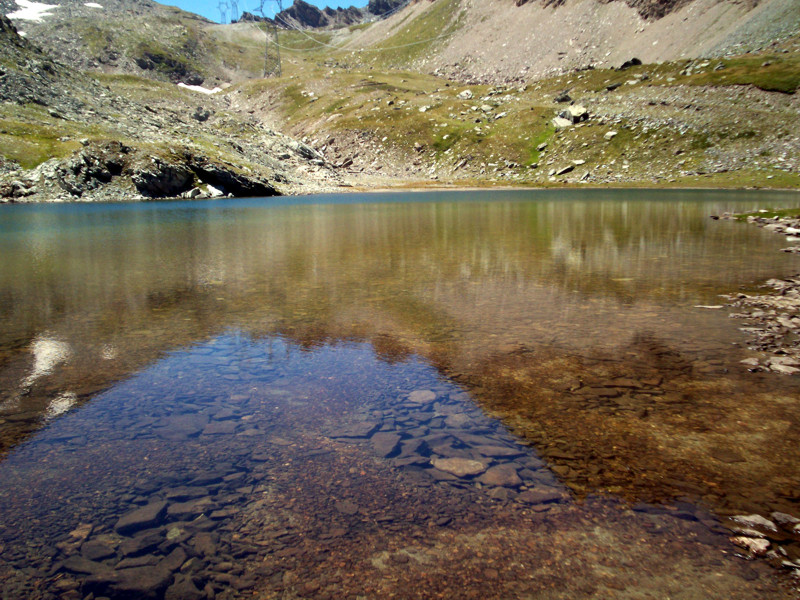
column 648, row 9
column 307, row 16
column 382, row 7
column 301, row 14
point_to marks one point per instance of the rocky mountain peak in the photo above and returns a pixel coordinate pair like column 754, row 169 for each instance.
column 303, row 15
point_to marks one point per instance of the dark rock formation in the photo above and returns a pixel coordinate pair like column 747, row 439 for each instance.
column 381, row 7
column 302, row 15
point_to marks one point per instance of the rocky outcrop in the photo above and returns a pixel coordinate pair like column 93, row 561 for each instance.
column 92, row 168
column 175, row 69
column 26, row 75
column 112, row 170
column 227, row 180
column 162, row 179
column 382, row 7
column 649, row 9
column 302, row 15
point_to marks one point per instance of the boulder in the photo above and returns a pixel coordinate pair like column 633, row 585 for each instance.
column 422, row 396
column 83, row 566
column 633, row 62
column 97, row 550
column 184, row 588
column 501, row 475
column 574, row 114
column 540, row 495
column 460, row 467
column 563, row 97
column 385, row 443
column 213, row 192
column 565, row 170
column 138, row 583
column 465, row 95
column 141, row 518
column 303, row 150
column 201, row 114
column 561, row 123
column 162, row 180
column 756, row 546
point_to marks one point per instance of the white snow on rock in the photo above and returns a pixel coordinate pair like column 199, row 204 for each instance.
column 93, row 5
column 32, row 11
column 200, row 88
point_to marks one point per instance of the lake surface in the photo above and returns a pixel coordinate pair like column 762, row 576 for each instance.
column 459, row 395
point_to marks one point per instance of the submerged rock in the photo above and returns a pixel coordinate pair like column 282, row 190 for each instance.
column 385, row 444
column 460, row 467
column 422, row 396
column 130, row 584
column 755, row 521
column 756, row 546
column 141, row 518
column 501, row 475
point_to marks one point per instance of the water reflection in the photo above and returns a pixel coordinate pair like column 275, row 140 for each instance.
column 569, row 316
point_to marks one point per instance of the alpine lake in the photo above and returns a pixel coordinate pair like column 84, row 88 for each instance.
column 490, row 394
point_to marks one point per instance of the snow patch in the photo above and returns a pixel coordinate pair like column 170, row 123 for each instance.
column 32, row 11
column 200, row 88
column 93, row 5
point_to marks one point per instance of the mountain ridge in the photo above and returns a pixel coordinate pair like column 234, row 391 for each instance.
column 303, row 15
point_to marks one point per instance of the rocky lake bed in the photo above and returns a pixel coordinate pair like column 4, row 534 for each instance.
column 251, row 490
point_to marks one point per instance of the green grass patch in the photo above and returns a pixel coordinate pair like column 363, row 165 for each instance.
column 30, row 145
column 420, row 36
column 543, row 138
column 304, row 41
column 769, row 72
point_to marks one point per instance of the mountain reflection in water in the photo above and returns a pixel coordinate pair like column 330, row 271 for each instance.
column 566, row 321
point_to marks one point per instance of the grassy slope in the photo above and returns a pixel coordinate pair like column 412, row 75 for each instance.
column 418, row 38
column 318, row 97
column 387, row 104
column 380, row 96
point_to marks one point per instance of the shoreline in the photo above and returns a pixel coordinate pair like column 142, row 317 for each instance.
column 771, row 321
column 418, row 187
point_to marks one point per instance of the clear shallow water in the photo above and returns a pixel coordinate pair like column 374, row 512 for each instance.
column 367, row 396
